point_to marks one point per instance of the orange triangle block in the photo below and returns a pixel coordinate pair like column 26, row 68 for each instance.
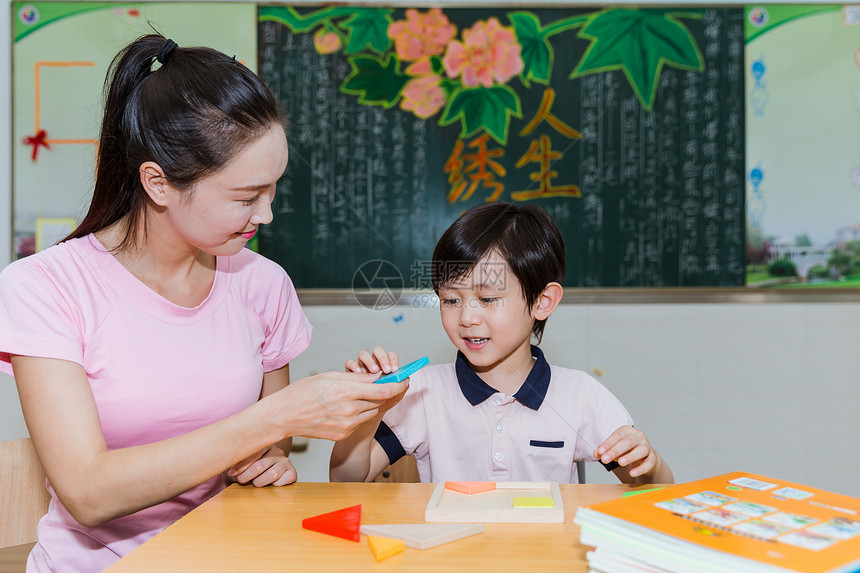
column 383, row 548
column 344, row 523
column 470, row 486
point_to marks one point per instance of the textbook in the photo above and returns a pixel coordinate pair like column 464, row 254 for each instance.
column 736, row 522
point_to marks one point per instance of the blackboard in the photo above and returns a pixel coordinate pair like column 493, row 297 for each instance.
column 626, row 125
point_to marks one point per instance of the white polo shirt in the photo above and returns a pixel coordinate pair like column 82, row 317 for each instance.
column 460, row 428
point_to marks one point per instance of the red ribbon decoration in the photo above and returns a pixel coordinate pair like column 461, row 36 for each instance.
column 37, row 140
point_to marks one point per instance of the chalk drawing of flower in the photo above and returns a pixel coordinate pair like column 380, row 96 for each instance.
column 326, row 42
column 488, row 53
column 421, row 35
column 423, row 96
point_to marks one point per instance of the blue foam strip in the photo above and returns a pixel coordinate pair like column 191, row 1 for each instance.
column 404, row 372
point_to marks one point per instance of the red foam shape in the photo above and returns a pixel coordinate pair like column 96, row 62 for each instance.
column 345, row 523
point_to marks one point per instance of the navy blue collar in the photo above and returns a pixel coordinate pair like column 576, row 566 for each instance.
column 530, row 394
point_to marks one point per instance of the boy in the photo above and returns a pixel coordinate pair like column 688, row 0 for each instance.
column 500, row 412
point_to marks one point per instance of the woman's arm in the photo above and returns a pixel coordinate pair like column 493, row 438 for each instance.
column 96, row 485
column 273, row 382
column 271, row 465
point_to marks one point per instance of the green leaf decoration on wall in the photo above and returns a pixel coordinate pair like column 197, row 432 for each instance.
column 376, row 82
column 639, row 44
column 536, row 51
column 368, row 29
column 300, row 23
column 483, row 108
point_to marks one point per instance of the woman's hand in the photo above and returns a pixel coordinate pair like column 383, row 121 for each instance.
column 332, row 404
column 269, row 466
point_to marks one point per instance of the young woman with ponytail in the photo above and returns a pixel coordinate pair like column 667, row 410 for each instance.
column 150, row 349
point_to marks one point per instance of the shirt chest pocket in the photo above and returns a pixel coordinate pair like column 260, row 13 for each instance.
column 554, row 445
column 553, row 459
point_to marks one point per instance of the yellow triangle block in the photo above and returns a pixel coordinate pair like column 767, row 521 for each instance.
column 383, row 547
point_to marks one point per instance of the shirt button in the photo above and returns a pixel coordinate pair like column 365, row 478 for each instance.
column 499, row 456
column 497, row 401
column 499, row 428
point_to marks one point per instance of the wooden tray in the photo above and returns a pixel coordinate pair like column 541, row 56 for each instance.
column 497, row 505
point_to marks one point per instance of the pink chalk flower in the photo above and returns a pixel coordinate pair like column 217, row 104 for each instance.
column 423, row 96
column 489, row 53
column 421, row 35
column 326, row 41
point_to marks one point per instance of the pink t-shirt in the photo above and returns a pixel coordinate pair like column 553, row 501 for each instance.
column 461, row 429
column 156, row 370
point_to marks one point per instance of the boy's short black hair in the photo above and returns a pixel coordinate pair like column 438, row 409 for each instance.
column 526, row 237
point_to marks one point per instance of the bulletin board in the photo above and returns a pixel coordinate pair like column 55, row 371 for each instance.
column 803, row 153
column 61, row 54
column 626, row 124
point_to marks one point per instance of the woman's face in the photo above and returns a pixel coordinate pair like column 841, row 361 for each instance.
column 223, row 210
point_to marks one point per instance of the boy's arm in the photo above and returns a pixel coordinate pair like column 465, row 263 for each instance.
column 358, row 457
column 638, row 462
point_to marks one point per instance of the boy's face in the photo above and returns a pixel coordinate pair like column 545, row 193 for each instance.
column 485, row 315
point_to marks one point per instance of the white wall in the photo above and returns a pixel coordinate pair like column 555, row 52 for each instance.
column 11, row 421
column 768, row 388
column 6, row 139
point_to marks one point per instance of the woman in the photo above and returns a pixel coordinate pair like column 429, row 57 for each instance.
column 151, row 350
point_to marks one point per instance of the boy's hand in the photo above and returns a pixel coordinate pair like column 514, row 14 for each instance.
column 269, row 466
column 378, row 361
column 629, row 447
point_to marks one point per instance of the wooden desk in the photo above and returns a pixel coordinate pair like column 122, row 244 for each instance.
column 257, row 530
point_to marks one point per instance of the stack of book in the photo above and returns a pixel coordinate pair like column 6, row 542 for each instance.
column 736, row 522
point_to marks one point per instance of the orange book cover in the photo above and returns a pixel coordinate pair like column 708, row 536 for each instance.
column 764, row 519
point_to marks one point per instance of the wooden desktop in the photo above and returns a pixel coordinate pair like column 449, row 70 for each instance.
column 259, row 529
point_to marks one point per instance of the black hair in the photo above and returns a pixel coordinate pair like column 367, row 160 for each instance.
column 191, row 116
column 526, row 237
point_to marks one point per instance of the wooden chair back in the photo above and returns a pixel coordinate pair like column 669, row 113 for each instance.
column 23, row 496
column 404, row 470
column 580, row 471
